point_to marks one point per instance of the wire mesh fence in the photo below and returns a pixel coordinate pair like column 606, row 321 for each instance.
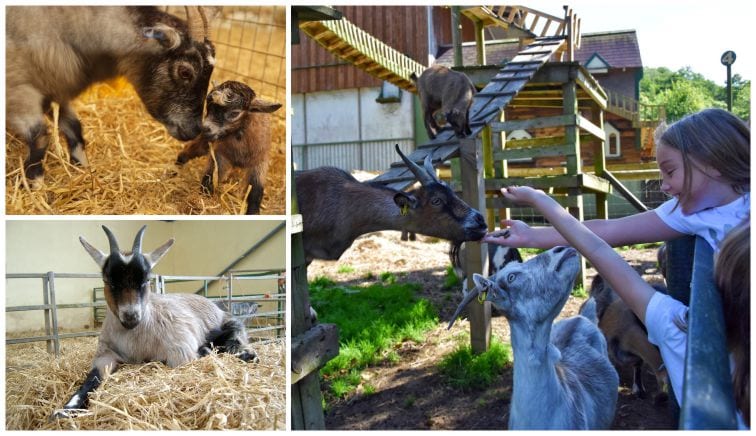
column 250, row 47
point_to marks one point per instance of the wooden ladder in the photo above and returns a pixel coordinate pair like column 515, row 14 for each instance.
column 363, row 50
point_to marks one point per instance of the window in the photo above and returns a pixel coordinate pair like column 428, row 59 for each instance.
column 612, row 143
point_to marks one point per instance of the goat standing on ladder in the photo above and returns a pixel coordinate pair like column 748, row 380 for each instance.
column 144, row 327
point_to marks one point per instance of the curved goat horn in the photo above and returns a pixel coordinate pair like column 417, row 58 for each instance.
column 428, row 165
column 113, row 243
column 420, row 173
column 138, row 240
column 198, row 27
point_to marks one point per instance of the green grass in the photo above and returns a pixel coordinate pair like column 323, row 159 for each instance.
column 646, row 246
column 371, row 321
column 451, row 281
column 579, row 292
column 464, row 370
column 345, row 269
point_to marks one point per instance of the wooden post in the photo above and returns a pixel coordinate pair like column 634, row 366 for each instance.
column 480, row 43
column 574, row 160
column 599, row 162
column 476, row 259
column 456, row 31
column 306, row 398
column 502, row 172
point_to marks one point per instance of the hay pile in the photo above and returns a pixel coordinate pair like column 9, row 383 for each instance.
column 212, row 393
column 131, row 169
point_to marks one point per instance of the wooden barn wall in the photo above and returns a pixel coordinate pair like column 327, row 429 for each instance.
column 402, row 28
column 442, row 26
column 621, row 81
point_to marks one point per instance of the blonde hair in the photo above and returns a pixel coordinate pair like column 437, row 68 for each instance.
column 732, row 275
column 713, row 137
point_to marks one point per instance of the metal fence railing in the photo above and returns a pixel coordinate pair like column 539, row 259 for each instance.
column 263, row 314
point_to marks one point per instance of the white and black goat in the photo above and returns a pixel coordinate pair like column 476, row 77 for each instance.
column 238, row 125
column 54, row 53
column 562, row 375
column 627, row 339
column 448, row 91
column 336, row 209
column 141, row 326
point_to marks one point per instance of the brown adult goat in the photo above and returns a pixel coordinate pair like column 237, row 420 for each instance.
column 54, row 53
column 336, row 209
column 238, row 125
column 627, row 339
column 446, row 90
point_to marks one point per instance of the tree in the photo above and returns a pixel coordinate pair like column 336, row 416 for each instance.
column 684, row 92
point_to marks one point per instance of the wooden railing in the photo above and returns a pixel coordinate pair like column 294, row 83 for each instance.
column 640, row 114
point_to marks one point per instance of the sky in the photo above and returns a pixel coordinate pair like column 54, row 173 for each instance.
column 675, row 33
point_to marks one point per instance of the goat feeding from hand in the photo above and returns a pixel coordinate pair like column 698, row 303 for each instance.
column 336, row 209
column 239, row 126
column 141, row 326
column 562, row 375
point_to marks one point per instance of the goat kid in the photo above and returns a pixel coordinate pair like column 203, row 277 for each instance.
column 141, row 326
column 627, row 339
column 55, row 53
column 448, row 91
column 336, row 209
column 562, row 375
column 239, row 127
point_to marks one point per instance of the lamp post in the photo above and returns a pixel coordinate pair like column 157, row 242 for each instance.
column 728, row 58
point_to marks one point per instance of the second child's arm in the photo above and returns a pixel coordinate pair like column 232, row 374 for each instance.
column 621, row 276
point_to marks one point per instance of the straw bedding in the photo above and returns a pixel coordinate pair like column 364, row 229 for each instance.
column 211, row 393
column 132, row 168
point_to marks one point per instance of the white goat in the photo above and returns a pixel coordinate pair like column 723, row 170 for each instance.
column 141, row 326
column 562, row 375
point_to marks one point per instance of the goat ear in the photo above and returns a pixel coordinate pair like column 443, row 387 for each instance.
column 167, row 36
column 258, row 105
column 98, row 256
column 405, row 201
column 154, row 257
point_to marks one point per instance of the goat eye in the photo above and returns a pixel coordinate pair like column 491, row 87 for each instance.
column 436, row 202
column 511, row 277
column 233, row 114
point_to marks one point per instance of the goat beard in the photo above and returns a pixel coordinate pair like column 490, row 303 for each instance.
column 454, row 249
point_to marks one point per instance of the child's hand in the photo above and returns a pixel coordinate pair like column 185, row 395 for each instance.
column 521, row 194
column 518, row 234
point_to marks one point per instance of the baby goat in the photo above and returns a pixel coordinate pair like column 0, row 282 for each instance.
column 627, row 339
column 238, row 125
column 562, row 375
column 141, row 326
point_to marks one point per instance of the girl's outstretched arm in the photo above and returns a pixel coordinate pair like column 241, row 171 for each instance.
column 622, row 277
column 633, row 229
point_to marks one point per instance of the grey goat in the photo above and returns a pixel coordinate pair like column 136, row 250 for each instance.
column 562, row 375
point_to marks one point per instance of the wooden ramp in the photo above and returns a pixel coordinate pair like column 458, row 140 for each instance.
column 364, row 51
column 486, row 107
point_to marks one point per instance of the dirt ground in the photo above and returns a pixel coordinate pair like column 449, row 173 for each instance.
column 411, row 394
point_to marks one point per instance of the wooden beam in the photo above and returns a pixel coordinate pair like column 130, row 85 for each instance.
column 534, row 123
column 591, row 128
column 312, row 349
column 533, row 152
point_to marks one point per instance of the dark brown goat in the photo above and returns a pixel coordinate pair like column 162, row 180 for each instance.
column 239, row 127
column 448, row 91
column 336, row 209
